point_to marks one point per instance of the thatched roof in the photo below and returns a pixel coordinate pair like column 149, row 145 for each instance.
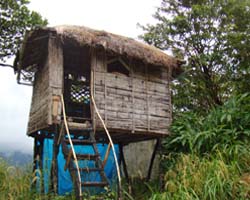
column 35, row 46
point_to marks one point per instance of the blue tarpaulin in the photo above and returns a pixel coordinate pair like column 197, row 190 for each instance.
column 47, row 162
column 65, row 184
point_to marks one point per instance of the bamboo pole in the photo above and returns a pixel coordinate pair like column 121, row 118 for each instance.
column 72, row 147
column 106, row 155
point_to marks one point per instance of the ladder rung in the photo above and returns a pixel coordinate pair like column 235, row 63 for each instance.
column 87, row 156
column 80, row 126
column 94, row 184
column 89, row 169
column 78, row 142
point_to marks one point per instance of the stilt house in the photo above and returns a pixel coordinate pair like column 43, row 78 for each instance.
column 128, row 80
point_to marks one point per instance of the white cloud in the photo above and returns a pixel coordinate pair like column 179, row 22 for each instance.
column 117, row 16
column 14, row 107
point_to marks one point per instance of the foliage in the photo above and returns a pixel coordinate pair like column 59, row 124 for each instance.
column 213, row 37
column 15, row 20
column 224, row 128
column 208, row 157
column 14, row 182
column 209, row 177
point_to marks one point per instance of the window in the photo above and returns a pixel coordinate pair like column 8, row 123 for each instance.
column 118, row 66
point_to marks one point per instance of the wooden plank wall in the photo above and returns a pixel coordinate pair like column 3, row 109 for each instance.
column 139, row 103
column 56, row 80
column 38, row 118
column 48, row 82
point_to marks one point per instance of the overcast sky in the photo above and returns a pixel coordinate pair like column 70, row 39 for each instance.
column 116, row 16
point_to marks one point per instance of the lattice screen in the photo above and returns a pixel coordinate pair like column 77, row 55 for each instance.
column 80, row 93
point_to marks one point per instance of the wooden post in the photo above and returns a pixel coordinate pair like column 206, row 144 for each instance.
column 40, row 162
column 148, row 110
column 123, row 162
column 133, row 96
column 92, row 86
column 54, row 168
column 152, row 159
column 35, row 161
column 56, row 78
column 106, row 155
column 161, row 172
column 105, row 88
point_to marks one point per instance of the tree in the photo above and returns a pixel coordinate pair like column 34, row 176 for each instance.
column 213, row 36
column 15, row 20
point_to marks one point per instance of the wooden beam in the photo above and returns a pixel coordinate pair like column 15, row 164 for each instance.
column 123, row 161
column 148, row 110
column 54, row 168
column 68, row 160
column 92, row 85
column 106, row 155
column 56, row 78
column 133, row 97
column 152, row 159
column 105, row 88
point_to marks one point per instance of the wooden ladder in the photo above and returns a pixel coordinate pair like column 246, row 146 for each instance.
column 90, row 164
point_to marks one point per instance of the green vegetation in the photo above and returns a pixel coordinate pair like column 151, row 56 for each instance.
column 208, row 154
column 208, row 157
column 15, row 20
column 225, row 128
column 212, row 36
column 14, row 182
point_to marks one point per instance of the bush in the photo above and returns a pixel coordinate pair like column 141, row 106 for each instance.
column 14, row 182
column 193, row 177
column 226, row 128
column 208, row 157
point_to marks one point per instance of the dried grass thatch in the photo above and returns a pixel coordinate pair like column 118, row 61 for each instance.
column 34, row 47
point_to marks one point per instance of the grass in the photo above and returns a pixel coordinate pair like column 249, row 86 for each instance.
column 15, row 184
column 193, row 177
column 208, row 157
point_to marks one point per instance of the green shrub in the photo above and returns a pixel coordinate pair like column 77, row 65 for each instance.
column 208, row 157
column 226, row 128
column 193, row 177
column 14, row 182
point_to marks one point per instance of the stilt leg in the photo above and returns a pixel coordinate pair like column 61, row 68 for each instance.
column 152, row 159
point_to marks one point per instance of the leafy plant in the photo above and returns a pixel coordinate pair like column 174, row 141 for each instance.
column 213, row 38
column 226, row 128
column 210, row 177
column 15, row 20
column 208, row 157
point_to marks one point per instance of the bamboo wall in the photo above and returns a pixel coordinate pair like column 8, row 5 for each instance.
column 48, row 83
column 39, row 111
column 139, row 103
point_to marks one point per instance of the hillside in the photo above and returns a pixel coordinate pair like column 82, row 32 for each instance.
column 16, row 158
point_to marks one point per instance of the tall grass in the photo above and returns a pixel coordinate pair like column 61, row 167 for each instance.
column 225, row 128
column 211, row 178
column 14, row 182
column 208, row 157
